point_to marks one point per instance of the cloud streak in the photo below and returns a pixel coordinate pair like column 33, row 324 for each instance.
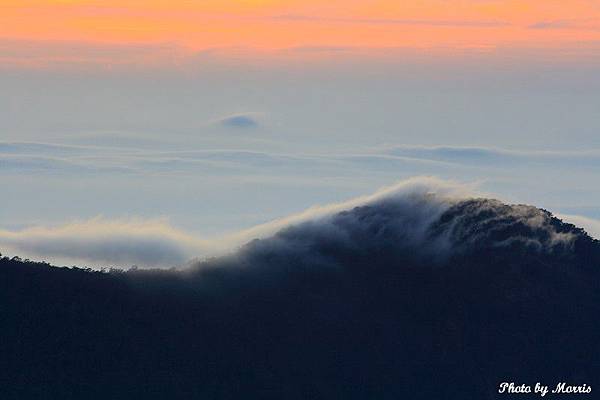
column 483, row 156
column 392, row 21
column 580, row 24
column 43, row 53
column 28, row 157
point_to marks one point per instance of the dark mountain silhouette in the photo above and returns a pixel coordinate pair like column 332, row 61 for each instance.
column 389, row 300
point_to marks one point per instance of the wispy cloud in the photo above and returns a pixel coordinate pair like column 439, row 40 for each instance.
column 42, row 53
column 555, row 24
column 392, row 21
column 581, row 24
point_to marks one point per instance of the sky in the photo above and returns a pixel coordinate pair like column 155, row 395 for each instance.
column 270, row 25
column 178, row 122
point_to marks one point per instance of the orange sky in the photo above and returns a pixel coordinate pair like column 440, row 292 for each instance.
column 272, row 24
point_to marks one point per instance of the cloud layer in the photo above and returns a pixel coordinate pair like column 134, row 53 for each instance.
column 104, row 243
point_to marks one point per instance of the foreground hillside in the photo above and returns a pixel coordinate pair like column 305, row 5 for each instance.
column 404, row 297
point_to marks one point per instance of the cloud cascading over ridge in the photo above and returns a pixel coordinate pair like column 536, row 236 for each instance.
column 407, row 211
column 419, row 219
column 155, row 243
